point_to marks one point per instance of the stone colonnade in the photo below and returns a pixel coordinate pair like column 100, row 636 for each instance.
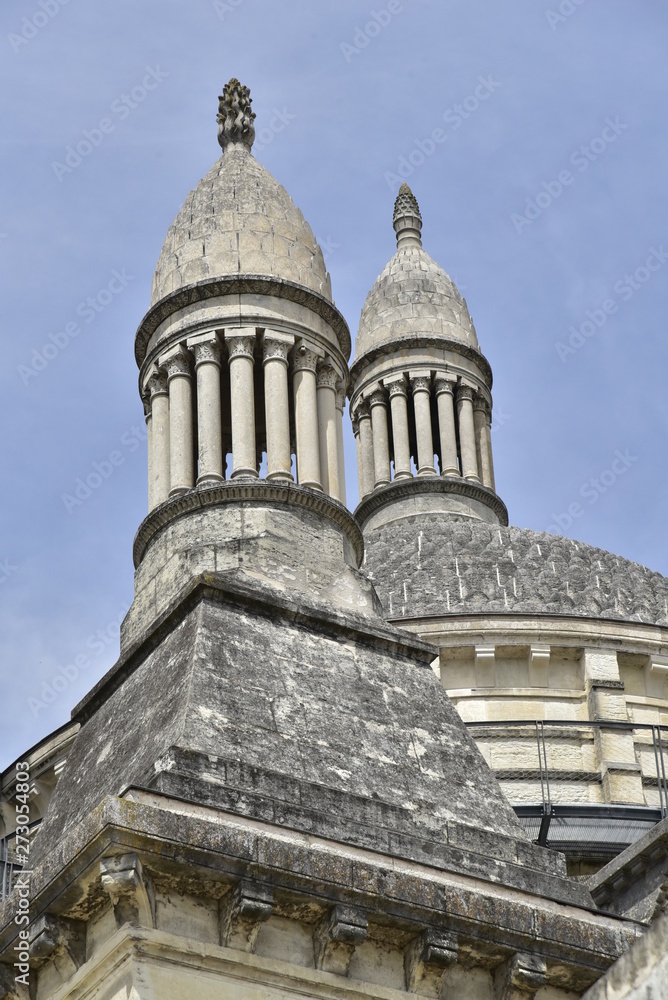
column 396, row 420
column 200, row 402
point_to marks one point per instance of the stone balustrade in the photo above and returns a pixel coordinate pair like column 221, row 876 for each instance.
column 244, row 393
column 407, row 423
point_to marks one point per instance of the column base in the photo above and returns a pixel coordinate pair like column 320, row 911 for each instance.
column 472, row 479
column 402, row 475
column 280, row 474
column 177, row 491
column 451, row 472
column 381, row 482
column 252, row 473
column 312, row 484
column 428, row 471
column 209, row 479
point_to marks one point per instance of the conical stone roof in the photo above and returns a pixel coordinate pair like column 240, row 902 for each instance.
column 413, row 297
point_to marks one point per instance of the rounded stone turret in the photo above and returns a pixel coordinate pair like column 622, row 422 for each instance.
column 420, row 392
column 243, row 372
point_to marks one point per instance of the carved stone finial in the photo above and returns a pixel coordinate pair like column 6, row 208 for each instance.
column 235, row 118
column 406, row 219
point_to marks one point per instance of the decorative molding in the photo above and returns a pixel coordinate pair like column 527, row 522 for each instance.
column 444, row 383
column 399, row 489
column 464, row 392
column 396, row 387
column 272, row 493
column 237, row 285
column 241, row 914
column 157, row 385
column 341, row 394
column 420, row 383
column 130, row 890
column 481, row 402
column 425, row 960
column 377, row 397
column 336, row 936
column 520, row 977
column 206, row 352
column 177, row 364
column 275, row 350
column 235, row 117
column 420, row 343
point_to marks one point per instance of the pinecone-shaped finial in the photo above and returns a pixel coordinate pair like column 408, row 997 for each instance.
column 406, row 219
column 235, row 118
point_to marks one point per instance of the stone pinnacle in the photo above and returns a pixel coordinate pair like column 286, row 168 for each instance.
column 235, row 118
column 406, row 219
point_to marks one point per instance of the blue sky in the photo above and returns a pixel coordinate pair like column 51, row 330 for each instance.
column 543, row 194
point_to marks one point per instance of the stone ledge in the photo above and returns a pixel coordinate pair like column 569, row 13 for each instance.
column 402, row 343
column 247, row 284
column 272, row 494
column 430, row 484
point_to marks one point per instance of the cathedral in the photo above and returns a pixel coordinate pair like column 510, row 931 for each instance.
column 403, row 750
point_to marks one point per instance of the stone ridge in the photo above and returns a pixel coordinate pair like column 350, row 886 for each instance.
column 413, row 295
column 429, row 567
column 239, row 220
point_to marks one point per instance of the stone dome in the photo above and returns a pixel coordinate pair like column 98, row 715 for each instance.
column 464, row 567
column 413, row 297
column 239, row 220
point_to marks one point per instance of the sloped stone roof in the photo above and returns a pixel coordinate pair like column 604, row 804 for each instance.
column 425, row 567
column 413, row 296
column 239, row 220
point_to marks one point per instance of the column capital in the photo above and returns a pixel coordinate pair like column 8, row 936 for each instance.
column 362, row 410
column 157, row 385
column 327, row 376
column 377, row 396
column 341, row 396
column 481, row 402
column 444, row 383
column 305, row 358
column 276, row 346
column 464, row 391
column 206, row 352
column 396, row 386
column 240, row 344
column 420, row 381
column 356, row 424
column 177, row 364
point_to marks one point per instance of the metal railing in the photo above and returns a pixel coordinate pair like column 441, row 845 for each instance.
column 598, row 829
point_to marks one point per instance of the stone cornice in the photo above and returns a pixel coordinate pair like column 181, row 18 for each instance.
column 247, row 284
column 404, row 343
column 434, row 484
column 273, row 494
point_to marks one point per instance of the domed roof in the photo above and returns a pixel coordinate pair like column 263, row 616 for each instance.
column 413, row 297
column 464, row 567
column 239, row 219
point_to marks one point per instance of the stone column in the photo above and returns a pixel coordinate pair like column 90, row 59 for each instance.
column 276, row 404
column 445, row 388
column 206, row 350
column 421, row 386
column 340, row 406
column 158, row 486
column 380, row 436
column 483, row 452
column 400, row 437
column 487, row 430
column 148, row 420
column 241, row 346
column 326, row 379
column 358, row 448
column 306, row 416
column 181, row 445
column 366, row 448
column 467, row 433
